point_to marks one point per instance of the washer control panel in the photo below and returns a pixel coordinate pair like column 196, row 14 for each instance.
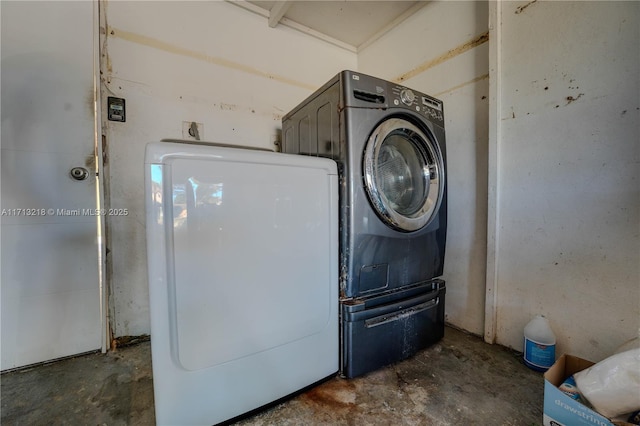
column 366, row 91
column 407, row 96
column 423, row 104
column 432, row 107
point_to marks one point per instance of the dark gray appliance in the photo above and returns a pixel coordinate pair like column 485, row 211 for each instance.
column 389, row 143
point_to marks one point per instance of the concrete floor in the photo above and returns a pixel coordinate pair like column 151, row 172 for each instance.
column 460, row 380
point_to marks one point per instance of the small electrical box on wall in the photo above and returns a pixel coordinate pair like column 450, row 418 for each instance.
column 116, row 109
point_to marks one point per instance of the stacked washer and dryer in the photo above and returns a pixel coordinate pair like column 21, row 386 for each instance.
column 389, row 144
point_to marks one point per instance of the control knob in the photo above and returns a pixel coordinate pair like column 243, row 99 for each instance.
column 407, row 96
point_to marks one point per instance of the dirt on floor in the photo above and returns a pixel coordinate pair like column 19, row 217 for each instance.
column 459, row 380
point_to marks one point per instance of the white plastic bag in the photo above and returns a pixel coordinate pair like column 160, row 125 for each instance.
column 612, row 385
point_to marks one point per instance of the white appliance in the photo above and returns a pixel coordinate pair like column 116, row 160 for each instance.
column 242, row 250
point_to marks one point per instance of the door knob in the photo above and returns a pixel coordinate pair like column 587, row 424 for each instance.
column 79, row 173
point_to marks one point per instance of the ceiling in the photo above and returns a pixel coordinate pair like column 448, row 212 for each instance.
column 351, row 25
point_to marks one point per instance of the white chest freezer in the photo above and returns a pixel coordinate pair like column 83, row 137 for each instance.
column 242, row 250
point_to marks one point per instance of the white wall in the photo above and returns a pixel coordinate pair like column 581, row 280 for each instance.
column 439, row 51
column 220, row 65
column 564, row 206
column 567, row 170
column 209, row 62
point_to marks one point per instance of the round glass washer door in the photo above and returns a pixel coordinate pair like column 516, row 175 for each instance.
column 404, row 174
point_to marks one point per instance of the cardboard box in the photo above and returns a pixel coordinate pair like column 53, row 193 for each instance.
column 559, row 408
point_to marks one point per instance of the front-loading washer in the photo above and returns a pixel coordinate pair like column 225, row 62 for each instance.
column 389, row 143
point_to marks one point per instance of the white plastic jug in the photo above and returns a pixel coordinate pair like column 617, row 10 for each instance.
column 539, row 344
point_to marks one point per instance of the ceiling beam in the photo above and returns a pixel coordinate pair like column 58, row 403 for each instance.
column 292, row 24
column 277, row 12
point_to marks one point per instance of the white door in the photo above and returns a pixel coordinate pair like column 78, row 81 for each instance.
column 50, row 291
